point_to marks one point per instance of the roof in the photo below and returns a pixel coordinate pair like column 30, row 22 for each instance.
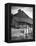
column 23, row 17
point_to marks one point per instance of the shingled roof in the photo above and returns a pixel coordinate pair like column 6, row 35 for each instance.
column 23, row 17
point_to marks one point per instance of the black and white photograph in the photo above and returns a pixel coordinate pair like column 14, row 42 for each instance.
column 17, row 22
column 21, row 23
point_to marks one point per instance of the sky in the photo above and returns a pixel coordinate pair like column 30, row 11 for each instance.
column 27, row 10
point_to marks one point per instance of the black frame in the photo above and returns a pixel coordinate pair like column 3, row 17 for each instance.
column 8, row 21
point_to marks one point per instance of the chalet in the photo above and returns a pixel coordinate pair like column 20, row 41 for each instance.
column 23, row 22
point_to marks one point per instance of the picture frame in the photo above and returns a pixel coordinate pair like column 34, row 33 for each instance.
column 10, row 16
